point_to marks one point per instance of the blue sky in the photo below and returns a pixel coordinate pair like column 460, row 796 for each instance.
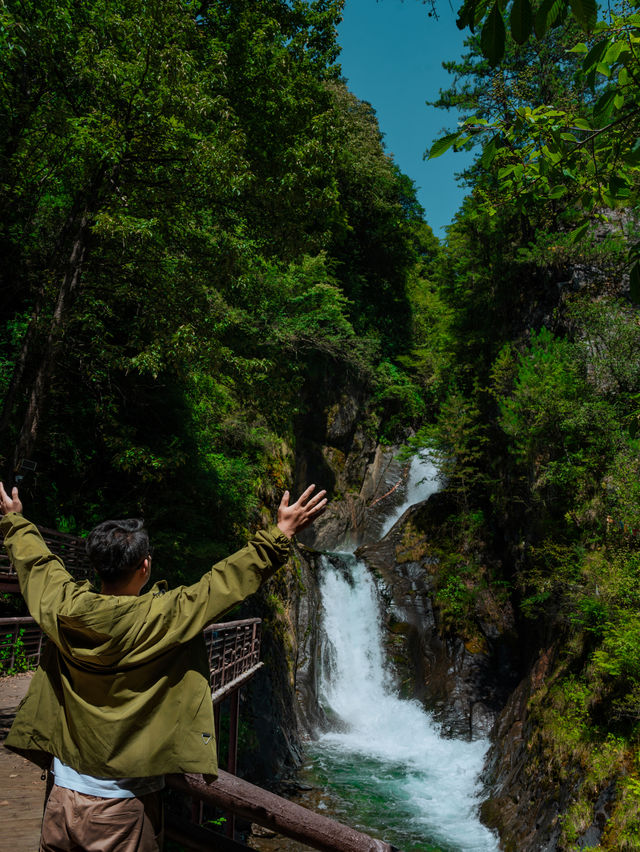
column 392, row 55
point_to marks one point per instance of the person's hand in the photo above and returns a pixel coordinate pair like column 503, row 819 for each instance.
column 292, row 519
column 9, row 504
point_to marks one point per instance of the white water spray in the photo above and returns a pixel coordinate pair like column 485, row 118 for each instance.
column 385, row 748
column 422, row 482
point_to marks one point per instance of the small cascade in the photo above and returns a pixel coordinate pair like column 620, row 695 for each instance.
column 384, row 758
column 422, row 482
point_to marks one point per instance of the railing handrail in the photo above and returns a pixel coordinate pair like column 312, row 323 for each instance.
column 237, row 796
column 241, row 622
column 233, row 648
column 73, row 551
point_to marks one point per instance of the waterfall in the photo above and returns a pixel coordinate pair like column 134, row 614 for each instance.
column 384, row 758
column 422, row 482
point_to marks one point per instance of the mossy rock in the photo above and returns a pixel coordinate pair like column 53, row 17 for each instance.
column 413, row 546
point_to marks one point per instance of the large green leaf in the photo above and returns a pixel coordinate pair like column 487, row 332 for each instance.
column 549, row 13
column 585, row 12
column 521, row 20
column 619, row 187
column 578, row 233
column 493, row 34
column 441, row 145
column 604, row 104
column 557, row 191
column 489, row 152
column 595, row 55
column 467, row 15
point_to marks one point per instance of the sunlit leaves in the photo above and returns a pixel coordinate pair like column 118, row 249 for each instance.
column 443, row 144
column 229, row 179
column 581, row 155
column 524, row 20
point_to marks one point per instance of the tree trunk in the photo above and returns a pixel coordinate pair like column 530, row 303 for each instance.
column 19, row 368
column 31, row 422
column 29, row 431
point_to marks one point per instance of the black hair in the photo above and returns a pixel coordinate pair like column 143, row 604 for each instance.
column 116, row 548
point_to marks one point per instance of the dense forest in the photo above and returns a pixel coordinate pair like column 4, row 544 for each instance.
column 537, row 422
column 198, row 223
column 204, row 244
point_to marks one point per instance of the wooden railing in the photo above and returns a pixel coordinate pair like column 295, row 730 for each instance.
column 21, row 643
column 234, row 654
column 233, row 648
column 254, row 804
column 69, row 548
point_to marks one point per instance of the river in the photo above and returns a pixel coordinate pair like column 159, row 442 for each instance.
column 384, row 767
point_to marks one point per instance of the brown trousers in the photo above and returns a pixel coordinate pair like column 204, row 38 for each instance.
column 75, row 822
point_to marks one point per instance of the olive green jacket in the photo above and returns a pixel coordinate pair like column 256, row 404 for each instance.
column 123, row 686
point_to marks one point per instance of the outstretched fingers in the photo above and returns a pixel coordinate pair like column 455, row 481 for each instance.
column 317, row 502
column 9, row 503
column 302, row 499
column 295, row 517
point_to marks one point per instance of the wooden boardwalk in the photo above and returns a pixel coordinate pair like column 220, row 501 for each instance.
column 21, row 787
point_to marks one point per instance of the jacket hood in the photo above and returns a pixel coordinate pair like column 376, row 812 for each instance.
column 99, row 631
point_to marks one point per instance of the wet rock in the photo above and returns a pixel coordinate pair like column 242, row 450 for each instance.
column 602, row 812
column 526, row 801
column 366, row 488
column 306, row 612
column 465, row 685
column 341, row 418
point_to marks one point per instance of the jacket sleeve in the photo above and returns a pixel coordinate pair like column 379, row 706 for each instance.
column 181, row 614
column 45, row 583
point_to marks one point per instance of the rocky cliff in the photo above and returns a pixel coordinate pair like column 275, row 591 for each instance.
column 464, row 679
column 481, row 679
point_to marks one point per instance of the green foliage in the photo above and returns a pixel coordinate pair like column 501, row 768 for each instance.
column 13, row 656
column 524, row 20
column 199, row 222
column 396, row 398
column 559, row 432
column 539, row 280
column 580, row 153
column 617, row 656
column 456, row 443
column 551, row 574
column 430, row 359
column 609, row 337
column 546, row 390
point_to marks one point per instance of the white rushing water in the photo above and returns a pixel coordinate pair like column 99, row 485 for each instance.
column 422, row 482
column 417, row 787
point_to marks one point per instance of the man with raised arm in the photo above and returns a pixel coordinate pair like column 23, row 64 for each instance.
column 122, row 695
